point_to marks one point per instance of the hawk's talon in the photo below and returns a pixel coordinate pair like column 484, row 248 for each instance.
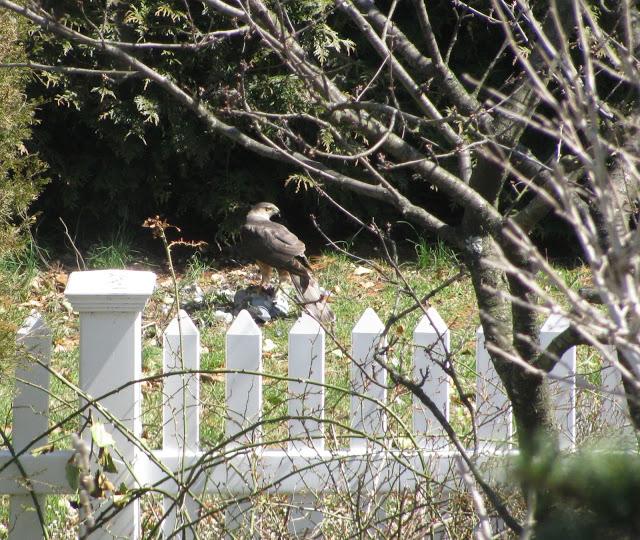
column 269, row 290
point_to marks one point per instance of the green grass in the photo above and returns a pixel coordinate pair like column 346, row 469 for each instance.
column 63, row 401
column 18, row 270
column 195, row 269
column 18, row 276
column 152, row 396
column 115, row 251
column 434, row 255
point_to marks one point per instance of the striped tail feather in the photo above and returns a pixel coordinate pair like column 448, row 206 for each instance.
column 313, row 298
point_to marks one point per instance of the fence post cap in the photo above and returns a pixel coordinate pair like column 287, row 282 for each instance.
column 306, row 325
column 244, row 325
column 431, row 321
column 110, row 290
column 184, row 325
column 369, row 323
column 34, row 325
column 555, row 323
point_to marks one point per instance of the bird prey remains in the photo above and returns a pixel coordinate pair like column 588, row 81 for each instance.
column 272, row 245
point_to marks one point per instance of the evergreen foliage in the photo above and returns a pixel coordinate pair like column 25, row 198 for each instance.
column 21, row 179
column 120, row 150
column 21, row 170
column 600, row 493
column 134, row 151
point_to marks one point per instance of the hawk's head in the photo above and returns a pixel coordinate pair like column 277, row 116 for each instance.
column 263, row 210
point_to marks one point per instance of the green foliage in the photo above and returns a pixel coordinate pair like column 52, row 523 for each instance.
column 20, row 170
column 21, row 178
column 120, row 150
column 279, row 93
column 195, row 269
column 326, row 39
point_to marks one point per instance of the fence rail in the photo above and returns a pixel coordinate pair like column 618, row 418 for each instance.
column 110, row 305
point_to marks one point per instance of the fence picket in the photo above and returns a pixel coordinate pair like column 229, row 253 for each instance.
column 306, row 399
column 30, row 420
column 493, row 411
column 180, row 415
column 368, row 377
column 563, row 384
column 306, row 366
column 431, row 346
column 244, row 409
column 614, row 411
column 110, row 303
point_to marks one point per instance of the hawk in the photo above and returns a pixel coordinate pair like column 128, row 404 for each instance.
column 272, row 245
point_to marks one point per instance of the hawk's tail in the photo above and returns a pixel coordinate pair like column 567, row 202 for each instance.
column 313, row 298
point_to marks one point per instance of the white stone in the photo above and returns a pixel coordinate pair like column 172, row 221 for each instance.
column 223, row 316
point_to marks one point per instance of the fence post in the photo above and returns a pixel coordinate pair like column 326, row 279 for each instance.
column 110, row 303
column 306, row 399
column 563, row 382
column 493, row 409
column 244, row 409
column 30, row 419
column 431, row 341
column 180, row 416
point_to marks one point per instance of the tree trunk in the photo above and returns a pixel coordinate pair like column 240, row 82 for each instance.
column 527, row 391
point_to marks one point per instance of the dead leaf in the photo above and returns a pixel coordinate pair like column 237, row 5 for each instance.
column 36, row 283
column 106, row 461
column 61, row 279
column 375, row 289
column 103, row 484
column 64, row 344
column 31, row 303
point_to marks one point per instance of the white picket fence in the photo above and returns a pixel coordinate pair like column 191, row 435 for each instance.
column 110, row 305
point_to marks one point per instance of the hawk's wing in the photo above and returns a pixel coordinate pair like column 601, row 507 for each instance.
column 272, row 243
